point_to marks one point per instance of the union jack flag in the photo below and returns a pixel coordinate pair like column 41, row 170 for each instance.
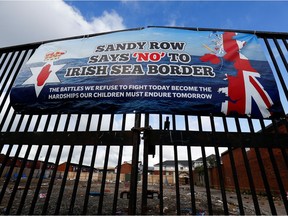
column 244, row 87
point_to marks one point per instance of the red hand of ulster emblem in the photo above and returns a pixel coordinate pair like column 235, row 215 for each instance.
column 43, row 75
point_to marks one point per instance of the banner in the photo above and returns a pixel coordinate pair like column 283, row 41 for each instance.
column 153, row 70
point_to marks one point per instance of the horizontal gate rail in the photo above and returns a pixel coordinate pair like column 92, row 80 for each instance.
column 71, row 138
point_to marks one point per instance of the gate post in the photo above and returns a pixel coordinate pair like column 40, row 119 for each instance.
column 134, row 172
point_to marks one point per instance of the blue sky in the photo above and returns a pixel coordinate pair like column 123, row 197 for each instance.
column 47, row 20
column 254, row 15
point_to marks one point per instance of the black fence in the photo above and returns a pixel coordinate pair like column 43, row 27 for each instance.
column 102, row 164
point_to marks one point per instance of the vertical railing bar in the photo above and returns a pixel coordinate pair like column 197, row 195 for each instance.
column 37, row 123
column 13, row 77
column 62, row 188
column 47, row 123
column 19, row 123
column 76, row 183
column 67, row 122
column 264, row 176
column 99, row 122
column 123, row 122
column 285, row 43
column 276, row 68
column 283, row 149
column 134, row 173
column 234, row 171
column 43, row 169
column 88, row 122
column 115, row 200
column 57, row 123
column 11, row 121
column 281, row 53
column 28, row 123
column 236, row 182
column 103, row 182
column 63, row 183
column 17, row 182
column 9, row 67
column 276, row 171
column 4, row 163
column 9, row 72
column 160, row 122
column 265, row 181
column 5, row 116
column 191, row 179
column 79, row 169
column 1, row 148
column 29, row 179
column 2, row 62
column 145, row 170
column 111, row 122
column 10, row 172
column 278, row 178
column 91, row 171
column 219, row 167
column 77, row 122
column 206, row 177
column 84, row 211
column 8, row 77
column 22, row 167
column 246, row 163
column 199, row 124
column 161, row 170
column 117, row 180
column 176, row 170
column 53, row 177
column 80, row 163
column 51, row 183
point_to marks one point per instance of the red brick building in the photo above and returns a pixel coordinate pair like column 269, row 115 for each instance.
column 62, row 167
column 256, row 173
column 126, row 168
column 254, row 166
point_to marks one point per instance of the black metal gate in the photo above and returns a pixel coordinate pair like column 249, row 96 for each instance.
column 73, row 163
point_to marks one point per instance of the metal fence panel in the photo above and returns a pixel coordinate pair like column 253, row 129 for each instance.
column 74, row 163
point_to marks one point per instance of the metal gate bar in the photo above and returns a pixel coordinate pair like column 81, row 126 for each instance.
column 134, row 171
column 118, row 170
column 279, row 74
column 145, row 169
column 276, row 172
column 218, row 161
column 191, row 180
column 161, row 205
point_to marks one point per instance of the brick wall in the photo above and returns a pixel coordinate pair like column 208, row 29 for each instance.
column 255, row 169
column 126, row 168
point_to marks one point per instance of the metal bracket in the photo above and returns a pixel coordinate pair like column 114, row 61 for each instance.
column 146, row 138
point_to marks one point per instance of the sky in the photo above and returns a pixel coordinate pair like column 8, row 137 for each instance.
column 23, row 22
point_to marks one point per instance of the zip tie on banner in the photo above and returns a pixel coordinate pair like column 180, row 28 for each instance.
column 85, row 36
